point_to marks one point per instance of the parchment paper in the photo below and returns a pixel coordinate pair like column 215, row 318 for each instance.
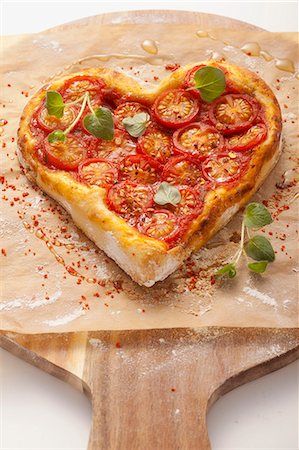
column 89, row 291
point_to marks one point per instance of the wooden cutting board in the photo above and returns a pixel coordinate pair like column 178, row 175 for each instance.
column 151, row 389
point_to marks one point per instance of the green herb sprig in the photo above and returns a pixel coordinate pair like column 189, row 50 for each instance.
column 210, row 81
column 99, row 123
column 258, row 248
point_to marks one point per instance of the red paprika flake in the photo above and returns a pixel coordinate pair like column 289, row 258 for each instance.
column 172, row 67
column 3, row 251
column 118, row 345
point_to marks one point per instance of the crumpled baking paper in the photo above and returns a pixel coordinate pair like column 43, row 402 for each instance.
column 55, row 280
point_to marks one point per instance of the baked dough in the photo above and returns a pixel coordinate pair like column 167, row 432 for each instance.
column 145, row 259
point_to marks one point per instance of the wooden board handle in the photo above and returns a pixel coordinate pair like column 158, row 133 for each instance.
column 151, row 389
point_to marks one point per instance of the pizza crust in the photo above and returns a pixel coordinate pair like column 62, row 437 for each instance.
column 145, row 259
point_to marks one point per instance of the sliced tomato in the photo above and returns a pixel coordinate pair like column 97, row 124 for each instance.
column 140, row 168
column 130, row 198
column 182, row 170
column 120, row 146
column 98, row 172
column 160, row 224
column 50, row 123
column 155, row 143
column 222, row 168
column 175, row 108
column 190, row 204
column 233, row 113
column 252, row 137
column 197, row 139
column 79, row 133
column 65, row 155
column 127, row 109
column 75, row 87
column 189, row 81
column 38, row 133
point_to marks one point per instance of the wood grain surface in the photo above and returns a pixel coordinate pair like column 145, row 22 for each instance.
column 203, row 20
column 151, row 389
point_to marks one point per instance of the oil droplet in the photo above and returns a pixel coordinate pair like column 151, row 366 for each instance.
column 69, row 246
column 290, row 176
column 39, row 233
column 217, row 56
column 202, row 33
column 285, row 64
column 3, row 122
column 266, row 55
column 59, row 258
column 251, row 49
column 67, row 67
column 150, row 46
column 91, row 280
column 26, row 225
column 1, row 131
column 73, row 272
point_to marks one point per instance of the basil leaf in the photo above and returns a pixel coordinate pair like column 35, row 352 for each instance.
column 167, row 194
column 137, row 124
column 55, row 104
column 228, row 269
column 257, row 216
column 57, row 135
column 260, row 249
column 258, row 267
column 100, row 124
column 210, row 82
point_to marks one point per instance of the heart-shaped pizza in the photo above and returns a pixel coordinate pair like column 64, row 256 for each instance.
column 151, row 175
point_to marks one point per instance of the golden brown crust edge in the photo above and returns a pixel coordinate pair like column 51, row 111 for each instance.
column 145, row 259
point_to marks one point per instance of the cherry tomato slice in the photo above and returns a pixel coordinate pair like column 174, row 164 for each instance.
column 130, row 198
column 222, row 168
column 38, row 133
column 197, row 139
column 156, row 144
column 98, row 172
column 189, row 81
column 119, row 147
column 252, row 137
column 139, row 168
column 77, row 86
column 128, row 109
column 65, row 155
column 190, row 204
column 233, row 113
column 175, row 108
column 182, row 170
column 50, row 123
column 160, row 224
column 79, row 133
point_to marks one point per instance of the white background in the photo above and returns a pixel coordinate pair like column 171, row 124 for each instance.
column 39, row 412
